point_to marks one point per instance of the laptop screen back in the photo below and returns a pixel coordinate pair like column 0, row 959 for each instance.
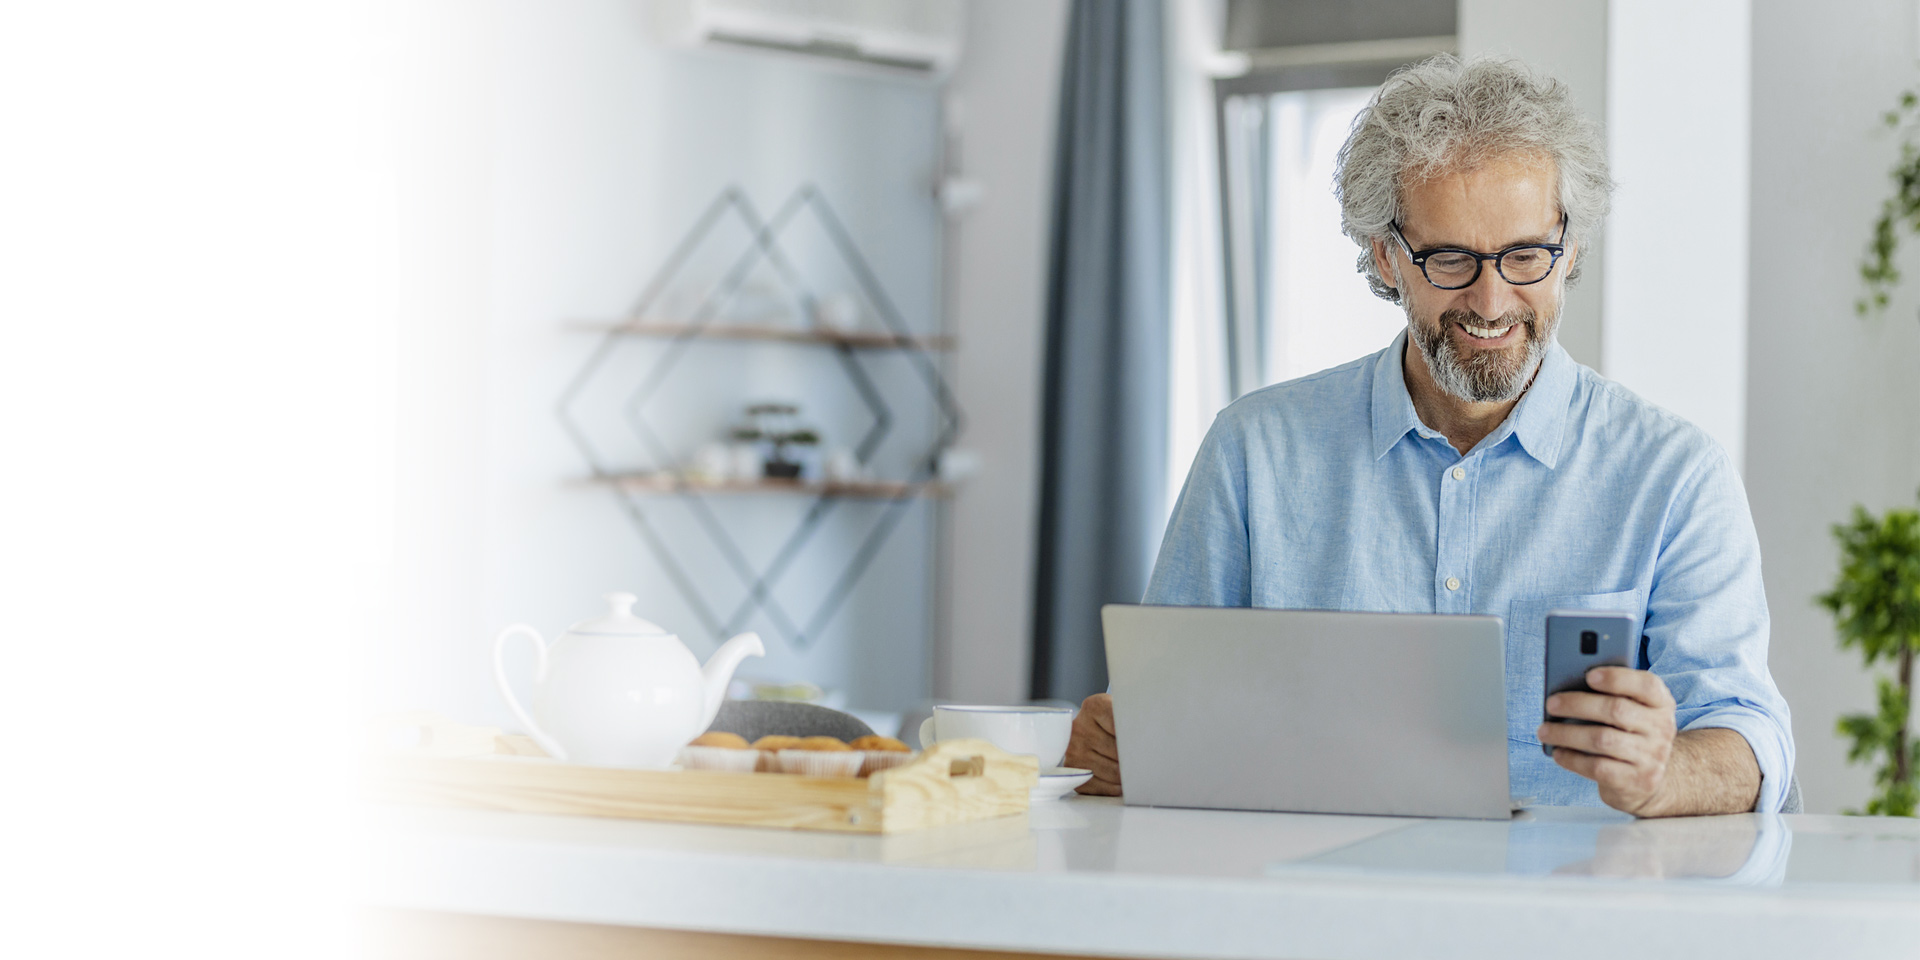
column 1310, row 711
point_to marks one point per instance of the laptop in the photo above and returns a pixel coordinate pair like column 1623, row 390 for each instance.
column 1310, row 711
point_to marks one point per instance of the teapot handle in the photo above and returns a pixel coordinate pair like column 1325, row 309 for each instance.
column 539, row 673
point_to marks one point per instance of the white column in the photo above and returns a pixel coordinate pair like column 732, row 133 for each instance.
column 1675, row 291
column 1569, row 44
column 1007, row 82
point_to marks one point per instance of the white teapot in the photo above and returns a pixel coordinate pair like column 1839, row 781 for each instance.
column 618, row 691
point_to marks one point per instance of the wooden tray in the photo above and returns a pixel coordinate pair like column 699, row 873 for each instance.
column 955, row 781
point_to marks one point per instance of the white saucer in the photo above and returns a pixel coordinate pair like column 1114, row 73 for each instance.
column 1057, row 782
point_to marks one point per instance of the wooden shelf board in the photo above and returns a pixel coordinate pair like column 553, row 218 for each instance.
column 866, row 490
column 858, row 340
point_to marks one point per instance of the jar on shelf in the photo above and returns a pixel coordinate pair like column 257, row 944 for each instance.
column 747, row 459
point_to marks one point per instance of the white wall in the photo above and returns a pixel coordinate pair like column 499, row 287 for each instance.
column 441, row 220
column 194, row 359
column 1833, row 403
column 551, row 155
column 1006, row 87
column 1681, row 172
column 1570, row 45
column 1677, row 137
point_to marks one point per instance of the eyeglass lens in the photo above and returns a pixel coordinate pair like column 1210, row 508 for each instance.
column 1518, row 265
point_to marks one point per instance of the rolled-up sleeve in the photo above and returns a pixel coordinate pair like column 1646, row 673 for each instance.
column 1707, row 623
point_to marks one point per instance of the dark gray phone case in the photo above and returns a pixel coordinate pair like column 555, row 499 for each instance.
column 1569, row 659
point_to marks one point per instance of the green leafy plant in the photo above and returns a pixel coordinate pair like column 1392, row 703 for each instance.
column 1876, row 606
column 1902, row 209
column 1876, row 601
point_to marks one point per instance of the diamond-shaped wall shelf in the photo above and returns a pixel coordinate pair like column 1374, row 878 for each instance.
column 702, row 324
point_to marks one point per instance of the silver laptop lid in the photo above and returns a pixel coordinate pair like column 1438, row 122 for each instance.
column 1309, row 711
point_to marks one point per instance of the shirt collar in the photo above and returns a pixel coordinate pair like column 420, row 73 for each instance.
column 1539, row 419
column 1393, row 412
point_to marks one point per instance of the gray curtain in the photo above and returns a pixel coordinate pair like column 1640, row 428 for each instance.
column 1104, row 433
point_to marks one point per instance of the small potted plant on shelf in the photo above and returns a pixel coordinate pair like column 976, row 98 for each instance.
column 794, row 453
column 790, row 451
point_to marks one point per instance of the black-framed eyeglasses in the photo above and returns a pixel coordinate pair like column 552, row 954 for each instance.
column 1451, row 268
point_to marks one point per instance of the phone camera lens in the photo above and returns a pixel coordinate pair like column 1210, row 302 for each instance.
column 1589, row 643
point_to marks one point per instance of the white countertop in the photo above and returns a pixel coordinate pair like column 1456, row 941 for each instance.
column 1091, row 876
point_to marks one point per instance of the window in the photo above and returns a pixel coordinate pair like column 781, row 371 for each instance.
column 1297, row 305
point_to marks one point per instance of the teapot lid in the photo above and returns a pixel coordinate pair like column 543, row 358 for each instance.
column 618, row 620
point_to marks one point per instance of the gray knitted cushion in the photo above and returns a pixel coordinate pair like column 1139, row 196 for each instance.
column 754, row 719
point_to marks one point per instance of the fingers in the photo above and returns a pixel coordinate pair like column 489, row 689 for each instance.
column 1094, row 747
column 1093, row 728
column 1614, row 711
column 1106, row 773
column 1589, row 765
column 1643, row 686
column 1623, row 786
column 1600, row 740
column 1628, row 741
column 1103, row 767
column 1099, row 709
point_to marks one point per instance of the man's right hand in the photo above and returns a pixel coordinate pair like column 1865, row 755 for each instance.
column 1093, row 746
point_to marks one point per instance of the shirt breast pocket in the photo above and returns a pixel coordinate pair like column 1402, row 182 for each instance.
column 1527, row 650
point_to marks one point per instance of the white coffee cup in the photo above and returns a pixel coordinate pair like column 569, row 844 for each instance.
column 1040, row 731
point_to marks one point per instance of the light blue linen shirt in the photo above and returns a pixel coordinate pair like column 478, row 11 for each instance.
column 1328, row 493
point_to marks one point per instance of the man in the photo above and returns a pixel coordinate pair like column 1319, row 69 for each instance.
column 1473, row 467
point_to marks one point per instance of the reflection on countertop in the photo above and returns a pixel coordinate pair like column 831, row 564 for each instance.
column 1563, row 842
column 1089, row 876
column 1098, row 835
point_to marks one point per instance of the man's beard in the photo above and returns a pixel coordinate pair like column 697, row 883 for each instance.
column 1486, row 376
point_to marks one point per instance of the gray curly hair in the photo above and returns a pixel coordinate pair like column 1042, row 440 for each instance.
column 1445, row 114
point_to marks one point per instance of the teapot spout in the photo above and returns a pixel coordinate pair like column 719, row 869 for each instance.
column 719, row 670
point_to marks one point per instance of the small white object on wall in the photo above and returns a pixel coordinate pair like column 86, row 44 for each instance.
column 838, row 311
column 959, row 194
column 956, row 465
column 909, row 38
column 843, row 467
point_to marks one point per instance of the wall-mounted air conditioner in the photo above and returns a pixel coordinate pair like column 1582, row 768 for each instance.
column 904, row 37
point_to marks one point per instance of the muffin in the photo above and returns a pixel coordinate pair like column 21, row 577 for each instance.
column 769, row 747
column 719, row 751
column 822, row 757
column 881, row 753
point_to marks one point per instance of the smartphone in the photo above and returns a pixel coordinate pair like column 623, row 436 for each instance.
column 1578, row 641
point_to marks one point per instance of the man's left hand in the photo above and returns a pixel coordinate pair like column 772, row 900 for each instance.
column 1627, row 747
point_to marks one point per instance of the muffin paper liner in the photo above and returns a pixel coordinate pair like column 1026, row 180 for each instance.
column 878, row 760
column 822, row 763
column 719, row 758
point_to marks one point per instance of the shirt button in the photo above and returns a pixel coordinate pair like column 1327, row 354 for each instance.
column 1459, row 474
column 1453, row 583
